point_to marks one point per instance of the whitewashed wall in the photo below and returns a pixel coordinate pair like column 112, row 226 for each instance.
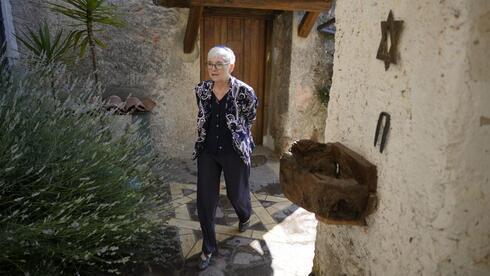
column 433, row 178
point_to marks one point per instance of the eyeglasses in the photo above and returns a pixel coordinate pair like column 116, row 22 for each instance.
column 217, row 66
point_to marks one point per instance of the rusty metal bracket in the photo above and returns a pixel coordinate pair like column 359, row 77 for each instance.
column 385, row 130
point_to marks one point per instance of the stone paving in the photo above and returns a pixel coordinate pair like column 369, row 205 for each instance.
column 280, row 240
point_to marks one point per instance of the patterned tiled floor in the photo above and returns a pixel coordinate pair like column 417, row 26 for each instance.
column 280, row 240
column 268, row 211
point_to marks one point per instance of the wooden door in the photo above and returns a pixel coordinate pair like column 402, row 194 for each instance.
column 245, row 34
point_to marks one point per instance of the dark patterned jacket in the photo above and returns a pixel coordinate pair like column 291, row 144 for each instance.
column 241, row 108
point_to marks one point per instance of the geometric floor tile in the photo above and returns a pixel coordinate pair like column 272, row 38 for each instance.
column 268, row 211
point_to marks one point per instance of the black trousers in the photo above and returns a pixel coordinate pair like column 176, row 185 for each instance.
column 209, row 167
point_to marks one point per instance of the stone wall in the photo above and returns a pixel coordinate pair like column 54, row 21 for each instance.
column 278, row 97
column 433, row 177
column 144, row 58
column 299, row 67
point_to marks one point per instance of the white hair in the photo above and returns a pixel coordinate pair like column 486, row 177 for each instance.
column 224, row 52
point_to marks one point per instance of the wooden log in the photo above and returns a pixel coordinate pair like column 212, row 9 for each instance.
column 332, row 181
column 361, row 222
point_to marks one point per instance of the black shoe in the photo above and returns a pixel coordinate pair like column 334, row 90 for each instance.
column 243, row 226
column 204, row 261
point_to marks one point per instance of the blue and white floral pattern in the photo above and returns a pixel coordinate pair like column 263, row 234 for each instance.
column 241, row 109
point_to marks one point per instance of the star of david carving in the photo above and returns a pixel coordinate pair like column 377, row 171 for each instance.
column 390, row 29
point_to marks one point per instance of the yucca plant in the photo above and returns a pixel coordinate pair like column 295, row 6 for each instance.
column 47, row 47
column 88, row 14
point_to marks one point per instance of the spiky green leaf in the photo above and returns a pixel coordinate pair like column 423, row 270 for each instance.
column 83, row 46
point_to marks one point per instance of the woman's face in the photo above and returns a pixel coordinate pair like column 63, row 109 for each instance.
column 219, row 70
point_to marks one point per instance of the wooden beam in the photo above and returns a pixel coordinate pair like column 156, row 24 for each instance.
column 307, row 23
column 286, row 5
column 289, row 5
column 195, row 15
column 265, row 14
column 173, row 3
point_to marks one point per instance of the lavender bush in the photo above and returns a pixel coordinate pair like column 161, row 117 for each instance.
column 67, row 204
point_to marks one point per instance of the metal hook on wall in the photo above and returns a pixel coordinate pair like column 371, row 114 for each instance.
column 385, row 130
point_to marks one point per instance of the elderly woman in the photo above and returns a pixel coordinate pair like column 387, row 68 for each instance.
column 226, row 110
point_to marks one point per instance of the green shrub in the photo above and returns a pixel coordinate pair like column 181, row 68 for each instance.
column 324, row 94
column 67, row 197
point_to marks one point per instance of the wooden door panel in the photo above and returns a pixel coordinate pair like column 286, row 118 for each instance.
column 246, row 36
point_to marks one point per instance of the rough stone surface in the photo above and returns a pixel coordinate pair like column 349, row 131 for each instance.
column 299, row 67
column 144, row 58
column 433, row 177
column 328, row 179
